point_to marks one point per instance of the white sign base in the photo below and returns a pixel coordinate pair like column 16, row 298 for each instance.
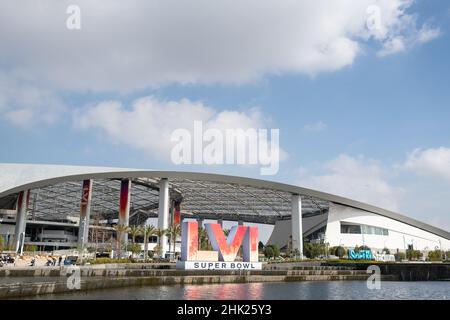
column 218, row 265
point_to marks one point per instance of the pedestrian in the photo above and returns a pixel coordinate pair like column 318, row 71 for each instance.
column 59, row 260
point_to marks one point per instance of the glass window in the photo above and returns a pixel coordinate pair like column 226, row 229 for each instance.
column 351, row 228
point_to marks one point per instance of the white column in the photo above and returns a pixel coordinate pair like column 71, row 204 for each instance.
column 124, row 206
column 21, row 221
column 296, row 220
column 163, row 212
column 85, row 214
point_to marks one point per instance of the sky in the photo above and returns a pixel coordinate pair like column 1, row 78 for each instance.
column 358, row 89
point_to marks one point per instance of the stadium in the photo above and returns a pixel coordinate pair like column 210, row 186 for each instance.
column 63, row 207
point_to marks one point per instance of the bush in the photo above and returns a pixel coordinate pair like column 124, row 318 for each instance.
column 399, row 256
column 413, row 254
column 436, row 255
column 260, row 246
column 271, row 251
column 313, row 250
column 2, row 243
column 134, row 247
column 30, row 248
column 338, row 251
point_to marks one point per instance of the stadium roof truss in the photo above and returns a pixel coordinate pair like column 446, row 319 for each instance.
column 200, row 199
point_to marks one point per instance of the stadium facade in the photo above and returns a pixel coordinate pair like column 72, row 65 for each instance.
column 73, row 206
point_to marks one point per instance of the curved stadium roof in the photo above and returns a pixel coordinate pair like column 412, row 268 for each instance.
column 56, row 192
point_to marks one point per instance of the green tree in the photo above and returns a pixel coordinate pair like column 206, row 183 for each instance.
column 135, row 248
column 338, row 251
column 148, row 231
column 313, row 250
column 260, row 246
column 268, row 252
column 134, row 231
column 271, row 251
column 203, row 240
column 173, row 232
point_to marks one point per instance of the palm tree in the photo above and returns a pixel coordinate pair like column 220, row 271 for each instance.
column 203, row 242
column 160, row 233
column 148, row 231
column 134, row 231
column 173, row 232
column 120, row 229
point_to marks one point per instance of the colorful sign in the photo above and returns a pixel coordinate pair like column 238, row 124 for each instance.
column 225, row 249
column 176, row 213
column 360, row 255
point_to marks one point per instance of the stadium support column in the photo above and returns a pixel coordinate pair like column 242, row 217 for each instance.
column 124, row 207
column 163, row 212
column 21, row 220
column 85, row 214
column 296, row 219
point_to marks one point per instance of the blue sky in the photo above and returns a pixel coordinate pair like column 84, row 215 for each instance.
column 356, row 122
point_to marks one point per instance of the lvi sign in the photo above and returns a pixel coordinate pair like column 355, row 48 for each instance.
column 225, row 249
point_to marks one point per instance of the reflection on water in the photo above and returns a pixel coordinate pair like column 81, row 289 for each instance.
column 341, row 290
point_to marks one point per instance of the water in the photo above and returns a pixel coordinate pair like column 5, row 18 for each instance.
column 327, row 290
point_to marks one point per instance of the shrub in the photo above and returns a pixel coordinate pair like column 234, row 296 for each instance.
column 436, row 255
column 338, row 251
column 413, row 254
column 30, row 248
column 399, row 256
column 313, row 250
column 134, row 247
column 260, row 246
column 268, row 252
column 271, row 251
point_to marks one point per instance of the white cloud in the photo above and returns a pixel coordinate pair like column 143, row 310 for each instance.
column 357, row 178
column 405, row 33
column 427, row 34
column 135, row 44
column 148, row 124
column 25, row 105
column 430, row 162
column 315, row 127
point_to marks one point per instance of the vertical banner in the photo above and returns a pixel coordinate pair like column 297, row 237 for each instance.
column 124, row 203
column 177, row 213
column 85, row 212
column 85, row 198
